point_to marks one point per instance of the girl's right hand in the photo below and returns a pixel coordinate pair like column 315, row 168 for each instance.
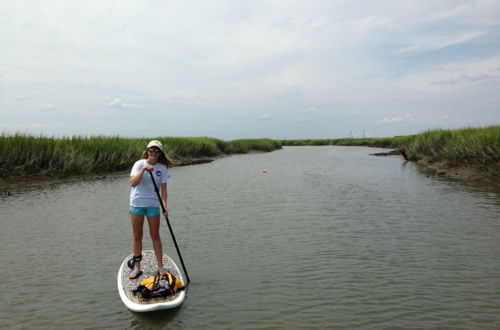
column 148, row 167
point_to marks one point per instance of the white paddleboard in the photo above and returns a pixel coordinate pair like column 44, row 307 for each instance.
column 149, row 268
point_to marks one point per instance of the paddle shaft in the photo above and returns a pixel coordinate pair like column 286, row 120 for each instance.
column 170, row 227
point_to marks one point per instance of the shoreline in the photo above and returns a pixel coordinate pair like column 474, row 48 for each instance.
column 472, row 153
column 469, row 153
column 467, row 173
column 11, row 184
column 441, row 169
column 24, row 155
column 33, row 181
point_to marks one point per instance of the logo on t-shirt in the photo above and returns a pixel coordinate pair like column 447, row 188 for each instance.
column 158, row 173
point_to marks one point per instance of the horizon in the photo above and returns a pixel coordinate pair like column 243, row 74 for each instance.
column 55, row 136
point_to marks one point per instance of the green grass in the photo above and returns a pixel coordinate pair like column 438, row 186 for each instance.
column 394, row 142
column 469, row 147
column 25, row 155
column 246, row 145
column 22, row 155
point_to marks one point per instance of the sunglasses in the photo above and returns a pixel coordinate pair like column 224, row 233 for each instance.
column 153, row 150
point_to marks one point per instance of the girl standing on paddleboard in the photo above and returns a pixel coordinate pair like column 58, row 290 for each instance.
column 144, row 202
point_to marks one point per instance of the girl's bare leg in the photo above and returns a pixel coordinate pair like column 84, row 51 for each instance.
column 137, row 231
column 154, row 231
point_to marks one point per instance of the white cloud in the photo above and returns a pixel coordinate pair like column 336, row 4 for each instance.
column 407, row 117
column 477, row 13
column 457, row 75
column 46, row 107
column 309, row 110
column 189, row 96
column 118, row 103
column 20, row 97
column 431, row 43
column 264, row 116
column 466, row 78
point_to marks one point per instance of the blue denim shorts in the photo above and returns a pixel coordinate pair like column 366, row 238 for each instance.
column 150, row 212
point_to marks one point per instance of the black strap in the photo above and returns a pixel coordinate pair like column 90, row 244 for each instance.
column 156, row 283
column 131, row 262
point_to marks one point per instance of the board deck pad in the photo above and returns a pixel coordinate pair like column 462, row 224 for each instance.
column 149, row 268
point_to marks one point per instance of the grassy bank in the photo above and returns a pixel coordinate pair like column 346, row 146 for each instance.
column 24, row 155
column 477, row 148
column 474, row 148
column 394, row 142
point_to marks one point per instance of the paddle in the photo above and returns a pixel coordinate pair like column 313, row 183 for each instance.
column 170, row 228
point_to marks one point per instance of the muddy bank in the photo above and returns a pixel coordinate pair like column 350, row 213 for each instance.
column 445, row 170
column 395, row 152
column 194, row 161
column 458, row 172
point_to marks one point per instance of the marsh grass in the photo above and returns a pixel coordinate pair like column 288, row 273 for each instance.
column 394, row 142
column 468, row 147
column 246, row 145
column 22, row 154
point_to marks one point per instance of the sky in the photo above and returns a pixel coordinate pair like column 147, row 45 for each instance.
column 248, row 69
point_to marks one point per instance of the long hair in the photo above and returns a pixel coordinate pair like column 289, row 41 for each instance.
column 162, row 159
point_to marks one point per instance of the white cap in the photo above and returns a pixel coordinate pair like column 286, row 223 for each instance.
column 155, row 143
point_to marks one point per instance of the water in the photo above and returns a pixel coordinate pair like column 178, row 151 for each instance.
column 329, row 237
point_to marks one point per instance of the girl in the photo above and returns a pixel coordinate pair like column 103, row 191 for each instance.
column 144, row 202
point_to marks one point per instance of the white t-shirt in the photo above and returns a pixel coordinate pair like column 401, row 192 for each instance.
column 144, row 194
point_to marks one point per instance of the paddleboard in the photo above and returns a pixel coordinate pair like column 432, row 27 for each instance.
column 149, row 268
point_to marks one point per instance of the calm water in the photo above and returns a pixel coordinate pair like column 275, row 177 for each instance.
column 330, row 237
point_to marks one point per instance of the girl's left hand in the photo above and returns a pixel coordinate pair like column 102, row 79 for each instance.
column 165, row 214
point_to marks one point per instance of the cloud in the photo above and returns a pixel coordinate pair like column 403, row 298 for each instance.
column 307, row 115
column 465, row 74
column 479, row 13
column 118, row 103
column 432, row 43
column 186, row 96
column 466, row 78
column 309, row 110
column 46, row 107
column 25, row 97
column 406, row 118
column 264, row 116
